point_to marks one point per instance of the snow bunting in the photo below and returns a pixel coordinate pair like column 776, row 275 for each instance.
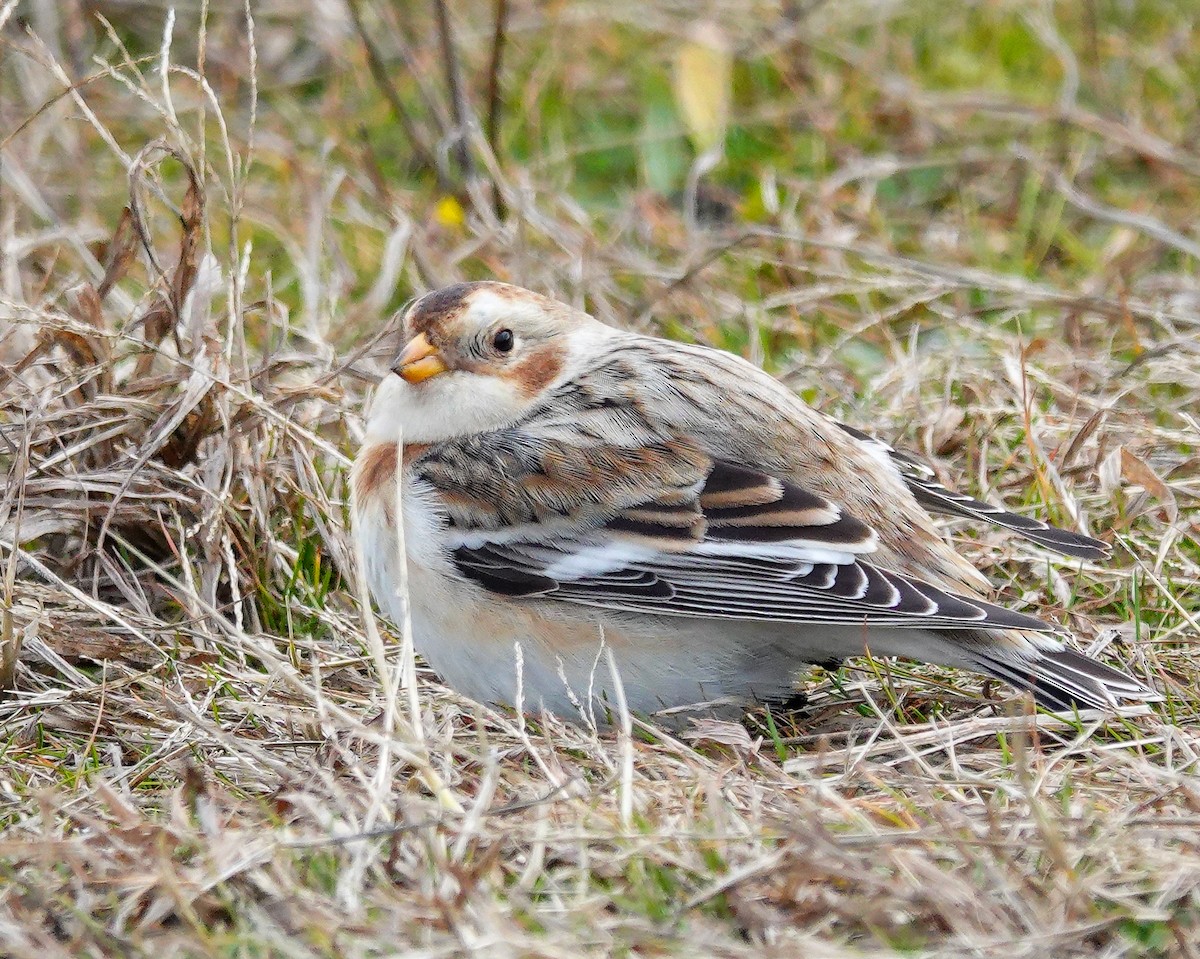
column 568, row 486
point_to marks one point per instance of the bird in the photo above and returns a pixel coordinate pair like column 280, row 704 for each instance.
column 572, row 492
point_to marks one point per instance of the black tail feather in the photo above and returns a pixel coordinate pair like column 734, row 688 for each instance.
column 1064, row 680
column 922, row 482
column 933, row 496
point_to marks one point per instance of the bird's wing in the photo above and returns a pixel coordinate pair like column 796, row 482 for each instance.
column 662, row 528
column 936, row 497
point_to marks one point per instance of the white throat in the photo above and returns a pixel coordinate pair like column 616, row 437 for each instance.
column 449, row 406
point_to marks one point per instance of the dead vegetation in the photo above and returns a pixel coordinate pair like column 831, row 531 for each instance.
column 207, row 747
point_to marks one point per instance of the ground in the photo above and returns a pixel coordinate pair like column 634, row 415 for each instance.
column 968, row 228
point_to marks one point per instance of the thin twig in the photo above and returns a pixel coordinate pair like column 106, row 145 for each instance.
column 1143, row 223
column 412, row 133
column 499, row 36
column 454, row 84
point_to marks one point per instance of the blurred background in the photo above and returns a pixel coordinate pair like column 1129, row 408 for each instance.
column 681, row 162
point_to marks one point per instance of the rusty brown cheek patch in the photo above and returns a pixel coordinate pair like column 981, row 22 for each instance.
column 537, row 371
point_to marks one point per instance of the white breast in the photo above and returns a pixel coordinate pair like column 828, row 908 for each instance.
column 428, row 563
column 457, row 628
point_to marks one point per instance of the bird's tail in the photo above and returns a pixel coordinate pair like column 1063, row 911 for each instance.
column 1062, row 679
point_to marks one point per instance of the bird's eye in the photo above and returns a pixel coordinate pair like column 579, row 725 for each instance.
column 503, row 340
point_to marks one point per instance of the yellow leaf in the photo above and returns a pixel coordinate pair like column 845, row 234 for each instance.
column 449, row 212
column 703, row 84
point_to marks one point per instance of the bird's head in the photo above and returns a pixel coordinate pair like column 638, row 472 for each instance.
column 476, row 357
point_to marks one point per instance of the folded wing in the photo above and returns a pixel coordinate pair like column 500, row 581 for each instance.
column 739, row 544
column 661, row 528
column 938, row 498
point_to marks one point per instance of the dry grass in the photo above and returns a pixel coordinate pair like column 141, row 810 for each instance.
column 968, row 231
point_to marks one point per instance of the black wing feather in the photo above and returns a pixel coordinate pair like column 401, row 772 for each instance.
column 671, row 585
column 939, row 498
column 745, row 545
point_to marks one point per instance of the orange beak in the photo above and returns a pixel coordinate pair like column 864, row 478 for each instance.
column 419, row 361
